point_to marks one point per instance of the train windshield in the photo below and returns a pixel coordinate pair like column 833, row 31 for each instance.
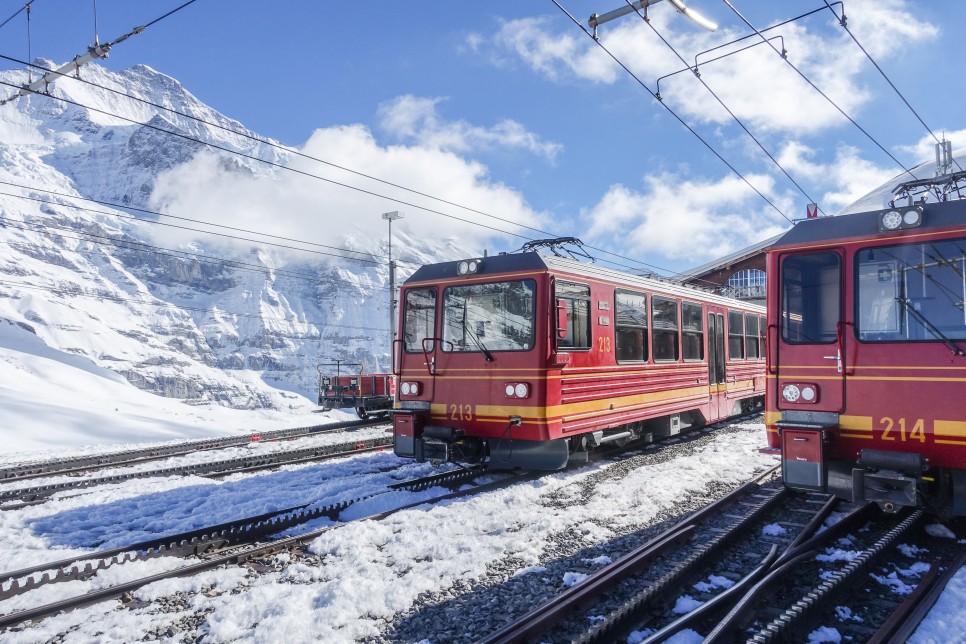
column 912, row 292
column 498, row 316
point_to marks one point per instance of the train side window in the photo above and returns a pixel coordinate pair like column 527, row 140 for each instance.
column 630, row 335
column 664, row 332
column 736, row 336
column 577, row 297
column 811, row 298
column 762, row 335
column 420, row 318
column 692, row 331
column 751, row 336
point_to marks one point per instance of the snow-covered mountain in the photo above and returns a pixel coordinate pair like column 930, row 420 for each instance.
column 242, row 327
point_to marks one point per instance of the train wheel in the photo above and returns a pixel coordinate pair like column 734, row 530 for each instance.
column 362, row 413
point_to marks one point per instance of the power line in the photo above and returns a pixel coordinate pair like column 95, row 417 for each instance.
column 169, row 305
column 670, row 111
column 273, row 163
column 40, row 227
column 816, row 88
column 720, row 102
column 340, row 167
column 96, row 50
column 17, row 13
column 844, row 23
column 161, row 223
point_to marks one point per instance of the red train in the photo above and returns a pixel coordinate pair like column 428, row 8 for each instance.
column 867, row 356
column 367, row 393
column 530, row 361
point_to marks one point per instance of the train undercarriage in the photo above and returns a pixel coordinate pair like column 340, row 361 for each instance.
column 439, row 444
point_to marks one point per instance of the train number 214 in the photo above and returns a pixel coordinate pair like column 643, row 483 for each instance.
column 461, row 412
column 891, row 427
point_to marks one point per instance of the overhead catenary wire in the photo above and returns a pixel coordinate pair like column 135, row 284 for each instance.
column 844, row 23
column 25, row 7
column 179, row 307
column 817, row 89
column 64, row 195
column 97, row 50
column 129, row 244
column 346, row 169
column 722, row 103
column 671, row 111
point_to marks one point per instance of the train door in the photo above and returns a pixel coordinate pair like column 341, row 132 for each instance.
column 420, row 340
column 811, row 337
column 716, row 364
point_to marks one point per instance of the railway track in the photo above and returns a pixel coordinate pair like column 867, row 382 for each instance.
column 731, row 576
column 15, row 498
column 80, row 464
column 225, row 544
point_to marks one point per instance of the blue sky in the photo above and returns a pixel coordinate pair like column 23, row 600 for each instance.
column 509, row 108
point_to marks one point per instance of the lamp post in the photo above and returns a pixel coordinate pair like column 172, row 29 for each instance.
column 390, row 216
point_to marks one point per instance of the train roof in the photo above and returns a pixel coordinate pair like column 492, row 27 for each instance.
column 534, row 261
column 866, row 224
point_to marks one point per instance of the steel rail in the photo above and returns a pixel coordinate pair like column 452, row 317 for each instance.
column 559, row 607
column 200, row 540
column 74, row 465
column 242, row 555
column 907, row 617
column 208, row 468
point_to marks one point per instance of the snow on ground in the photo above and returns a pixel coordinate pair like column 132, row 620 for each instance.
column 367, row 572
column 88, row 409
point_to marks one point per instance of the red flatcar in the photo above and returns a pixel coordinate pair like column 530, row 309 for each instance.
column 867, row 356
column 367, row 393
column 530, row 361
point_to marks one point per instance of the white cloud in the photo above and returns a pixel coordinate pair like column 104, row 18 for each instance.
column 555, row 55
column 845, row 179
column 305, row 208
column 675, row 218
column 756, row 84
column 417, row 119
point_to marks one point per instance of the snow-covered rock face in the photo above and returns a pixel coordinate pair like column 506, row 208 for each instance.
column 204, row 323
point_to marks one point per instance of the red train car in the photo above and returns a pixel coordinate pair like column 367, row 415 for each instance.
column 367, row 393
column 867, row 356
column 530, row 361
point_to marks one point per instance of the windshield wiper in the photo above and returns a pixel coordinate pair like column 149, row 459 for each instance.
column 908, row 306
column 476, row 339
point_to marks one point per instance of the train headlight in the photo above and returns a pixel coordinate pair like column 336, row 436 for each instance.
column 409, row 389
column 791, row 393
column 901, row 218
column 517, row 390
column 890, row 220
column 468, row 266
column 912, row 217
column 800, row 392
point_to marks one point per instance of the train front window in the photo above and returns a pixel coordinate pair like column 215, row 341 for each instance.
column 811, row 298
column 912, row 292
column 420, row 317
column 498, row 316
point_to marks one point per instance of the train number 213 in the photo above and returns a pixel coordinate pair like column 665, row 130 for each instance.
column 893, row 427
column 461, row 412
